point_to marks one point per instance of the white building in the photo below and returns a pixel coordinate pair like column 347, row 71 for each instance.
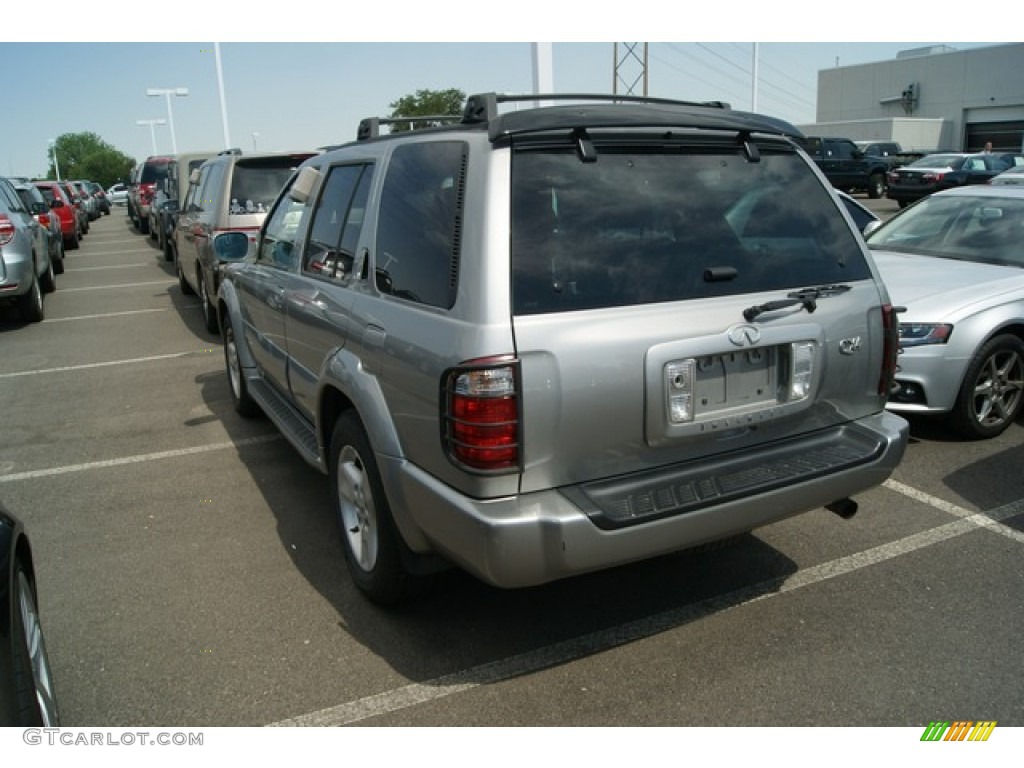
column 928, row 98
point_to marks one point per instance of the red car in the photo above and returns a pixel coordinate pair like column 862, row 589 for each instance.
column 65, row 210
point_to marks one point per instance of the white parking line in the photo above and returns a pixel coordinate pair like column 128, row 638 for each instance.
column 585, row 645
column 139, row 459
column 118, row 286
column 86, row 366
column 112, row 266
column 133, row 252
column 98, row 317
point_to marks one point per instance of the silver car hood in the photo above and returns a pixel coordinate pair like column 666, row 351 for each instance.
column 931, row 287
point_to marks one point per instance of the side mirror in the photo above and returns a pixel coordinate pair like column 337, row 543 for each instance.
column 56, row 203
column 193, row 178
column 304, row 185
column 870, row 227
column 231, row 246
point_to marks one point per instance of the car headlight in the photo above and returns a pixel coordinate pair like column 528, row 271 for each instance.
column 919, row 334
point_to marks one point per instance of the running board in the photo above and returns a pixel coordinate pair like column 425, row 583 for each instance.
column 296, row 429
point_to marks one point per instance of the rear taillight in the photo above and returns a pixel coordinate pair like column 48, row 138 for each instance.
column 44, row 219
column 890, row 348
column 480, row 420
column 6, row 229
column 146, row 192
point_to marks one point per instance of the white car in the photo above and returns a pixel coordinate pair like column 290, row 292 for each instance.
column 118, row 194
column 1014, row 175
column 956, row 262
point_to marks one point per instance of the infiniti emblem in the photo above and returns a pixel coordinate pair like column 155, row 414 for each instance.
column 744, row 335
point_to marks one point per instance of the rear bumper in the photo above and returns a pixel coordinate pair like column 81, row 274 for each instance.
column 539, row 537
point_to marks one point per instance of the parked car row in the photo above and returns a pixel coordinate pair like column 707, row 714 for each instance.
column 935, row 172
column 27, row 270
column 193, row 199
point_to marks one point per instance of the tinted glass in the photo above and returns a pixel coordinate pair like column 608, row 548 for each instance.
column 256, row 184
column 964, row 227
column 339, row 212
column 277, row 247
column 642, row 226
column 152, row 172
column 419, row 225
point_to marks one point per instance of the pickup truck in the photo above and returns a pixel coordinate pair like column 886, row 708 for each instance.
column 849, row 168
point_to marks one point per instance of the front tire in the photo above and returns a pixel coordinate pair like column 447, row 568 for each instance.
column 992, row 391
column 368, row 534
column 243, row 402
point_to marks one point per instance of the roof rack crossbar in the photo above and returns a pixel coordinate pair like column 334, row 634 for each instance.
column 483, row 107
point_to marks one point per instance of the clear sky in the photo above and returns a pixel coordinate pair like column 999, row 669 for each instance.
column 299, row 95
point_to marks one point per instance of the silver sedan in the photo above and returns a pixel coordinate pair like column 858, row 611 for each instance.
column 955, row 260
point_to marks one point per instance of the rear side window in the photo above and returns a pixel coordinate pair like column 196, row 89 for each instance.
column 420, row 223
column 666, row 224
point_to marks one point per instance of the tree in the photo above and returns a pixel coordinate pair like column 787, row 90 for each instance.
column 87, row 156
column 427, row 103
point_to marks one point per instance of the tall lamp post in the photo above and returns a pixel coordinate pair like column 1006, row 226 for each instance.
column 56, row 165
column 167, row 93
column 152, row 130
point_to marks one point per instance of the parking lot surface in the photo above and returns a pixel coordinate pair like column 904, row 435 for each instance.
column 191, row 573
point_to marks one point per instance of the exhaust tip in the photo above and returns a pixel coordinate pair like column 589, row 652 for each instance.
column 845, row 508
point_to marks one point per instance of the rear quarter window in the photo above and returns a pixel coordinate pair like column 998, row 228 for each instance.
column 420, row 223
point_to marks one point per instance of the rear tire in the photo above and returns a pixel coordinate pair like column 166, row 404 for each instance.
column 30, row 305
column 209, row 311
column 368, row 533
column 183, row 283
column 876, row 186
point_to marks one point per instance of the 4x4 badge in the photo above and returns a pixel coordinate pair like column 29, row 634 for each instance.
column 744, row 335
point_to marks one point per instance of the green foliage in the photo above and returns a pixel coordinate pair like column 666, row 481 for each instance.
column 87, row 156
column 427, row 103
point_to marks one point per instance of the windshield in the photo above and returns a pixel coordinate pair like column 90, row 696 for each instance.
column 936, row 161
column 978, row 228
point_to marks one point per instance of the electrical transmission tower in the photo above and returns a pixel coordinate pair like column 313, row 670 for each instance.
column 630, row 69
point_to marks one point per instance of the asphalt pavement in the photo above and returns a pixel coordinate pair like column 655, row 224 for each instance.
column 190, row 572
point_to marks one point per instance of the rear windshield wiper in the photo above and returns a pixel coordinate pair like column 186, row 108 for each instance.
column 805, row 297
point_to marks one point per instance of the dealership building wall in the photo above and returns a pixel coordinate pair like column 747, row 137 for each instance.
column 928, row 98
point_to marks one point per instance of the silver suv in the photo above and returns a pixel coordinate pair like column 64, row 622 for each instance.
column 543, row 342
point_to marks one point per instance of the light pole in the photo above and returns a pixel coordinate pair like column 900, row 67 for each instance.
column 56, row 165
column 152, row 131
column 255, row 135
column 168, row 92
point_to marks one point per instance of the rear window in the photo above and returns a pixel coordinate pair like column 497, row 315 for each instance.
column 640, row 226
column 153, row 172
column 255, row 184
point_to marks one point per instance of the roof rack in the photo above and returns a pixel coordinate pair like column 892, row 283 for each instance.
column 369, row 128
